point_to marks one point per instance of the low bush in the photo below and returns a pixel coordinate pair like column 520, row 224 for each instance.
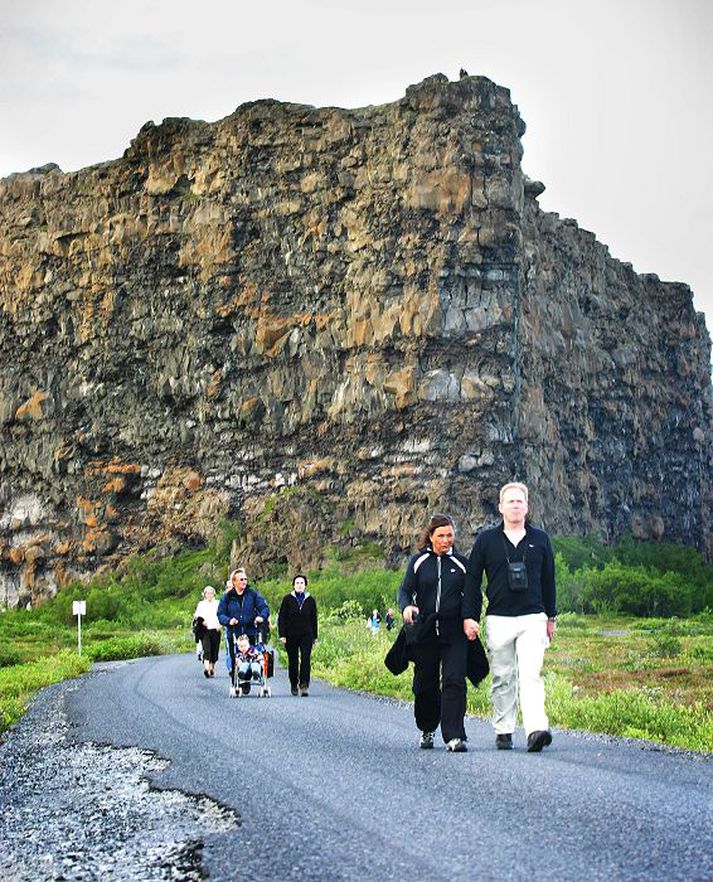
column 580, row 552
column 133, row 646
column 633, row 590
column 665, row 644
column 572, row 621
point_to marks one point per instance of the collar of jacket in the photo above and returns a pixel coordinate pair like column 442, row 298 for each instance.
column 448, row 553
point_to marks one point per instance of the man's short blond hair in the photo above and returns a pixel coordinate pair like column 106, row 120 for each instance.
column 513, row 485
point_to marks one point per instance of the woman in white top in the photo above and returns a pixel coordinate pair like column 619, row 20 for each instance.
column 206, row 617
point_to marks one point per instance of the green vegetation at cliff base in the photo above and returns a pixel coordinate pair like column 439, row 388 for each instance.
column 633, row 655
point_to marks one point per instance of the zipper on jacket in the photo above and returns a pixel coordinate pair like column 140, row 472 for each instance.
column 438, row 593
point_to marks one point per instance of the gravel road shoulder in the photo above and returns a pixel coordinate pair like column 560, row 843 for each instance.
column 72, row 811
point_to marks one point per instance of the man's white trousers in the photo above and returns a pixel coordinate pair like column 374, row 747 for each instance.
column 516, row 646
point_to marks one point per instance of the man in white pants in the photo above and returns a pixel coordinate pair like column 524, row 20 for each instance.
column 520, row 620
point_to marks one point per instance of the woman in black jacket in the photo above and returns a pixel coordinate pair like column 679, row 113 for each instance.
column 430, row 598
column 297, row 627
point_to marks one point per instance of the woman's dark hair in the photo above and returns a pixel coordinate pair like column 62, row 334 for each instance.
column 437, row 520
column 299, row 576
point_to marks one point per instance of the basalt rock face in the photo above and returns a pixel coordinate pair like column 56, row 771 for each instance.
column 326, row 324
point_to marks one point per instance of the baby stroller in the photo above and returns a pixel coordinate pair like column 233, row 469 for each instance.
column 250, row 667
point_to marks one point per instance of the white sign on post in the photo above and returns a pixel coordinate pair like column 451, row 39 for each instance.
column 79, row 609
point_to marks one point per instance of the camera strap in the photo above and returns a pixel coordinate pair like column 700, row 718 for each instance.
column 507, row 556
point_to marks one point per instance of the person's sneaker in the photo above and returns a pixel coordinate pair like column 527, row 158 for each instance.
column 294, row 690
column 426, row 742
column 538, row 739
column 456, row 745
column 503, row 741
column 304, row 690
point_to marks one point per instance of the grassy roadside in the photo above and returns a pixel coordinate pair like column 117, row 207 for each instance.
column 621, row 676
column 20, row 683
column 606, row 675
column 606, row 671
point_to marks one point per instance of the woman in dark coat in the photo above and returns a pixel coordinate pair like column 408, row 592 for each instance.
column 297, row 627
column 242, row 610
column 430, row 598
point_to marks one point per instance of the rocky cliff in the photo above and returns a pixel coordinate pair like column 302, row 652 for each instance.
column 324, row 324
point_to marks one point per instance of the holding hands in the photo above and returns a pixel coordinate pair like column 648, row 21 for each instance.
column 471, row 628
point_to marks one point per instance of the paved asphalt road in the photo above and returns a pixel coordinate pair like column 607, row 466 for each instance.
column 333, row 787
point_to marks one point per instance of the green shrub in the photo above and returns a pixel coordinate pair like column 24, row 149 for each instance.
column 580, row 552
column 130, row 646
column 572, row 621
column 633, row 590
column 665, row 643
column 569, row 586
column 348, row 611
column 665, row 558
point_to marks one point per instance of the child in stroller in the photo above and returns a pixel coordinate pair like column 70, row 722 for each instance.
column 250, row 667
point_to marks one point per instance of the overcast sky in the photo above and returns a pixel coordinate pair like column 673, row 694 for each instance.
column 617, row 94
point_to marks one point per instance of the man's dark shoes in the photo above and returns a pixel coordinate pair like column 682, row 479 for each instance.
column 503, row 741
column 294, row 690
column 304, row 690
column 537, row 740
column 456, row 745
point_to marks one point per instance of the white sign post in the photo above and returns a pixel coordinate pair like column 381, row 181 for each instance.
column 79, row 609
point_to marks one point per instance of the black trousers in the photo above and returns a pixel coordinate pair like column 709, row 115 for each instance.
column 299, row 652
column 439, row 684
column 211, row 645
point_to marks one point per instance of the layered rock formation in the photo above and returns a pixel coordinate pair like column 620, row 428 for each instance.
column 325, row 324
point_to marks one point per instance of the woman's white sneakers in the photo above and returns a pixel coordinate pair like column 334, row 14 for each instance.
column 455, row 745
column 426, row 742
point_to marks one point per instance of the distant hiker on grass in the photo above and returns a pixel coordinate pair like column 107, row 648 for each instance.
column 207, row 628
column 520, row 620
column 374, row 622
column 297, row 627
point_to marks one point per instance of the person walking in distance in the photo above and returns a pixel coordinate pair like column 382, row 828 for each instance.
column 519, row 564
column 297, row 627
column 207, row 614
column 430, row 599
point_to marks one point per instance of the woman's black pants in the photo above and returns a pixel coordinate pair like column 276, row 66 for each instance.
column 439, row 685
column 299, row 651
column 211, row 645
